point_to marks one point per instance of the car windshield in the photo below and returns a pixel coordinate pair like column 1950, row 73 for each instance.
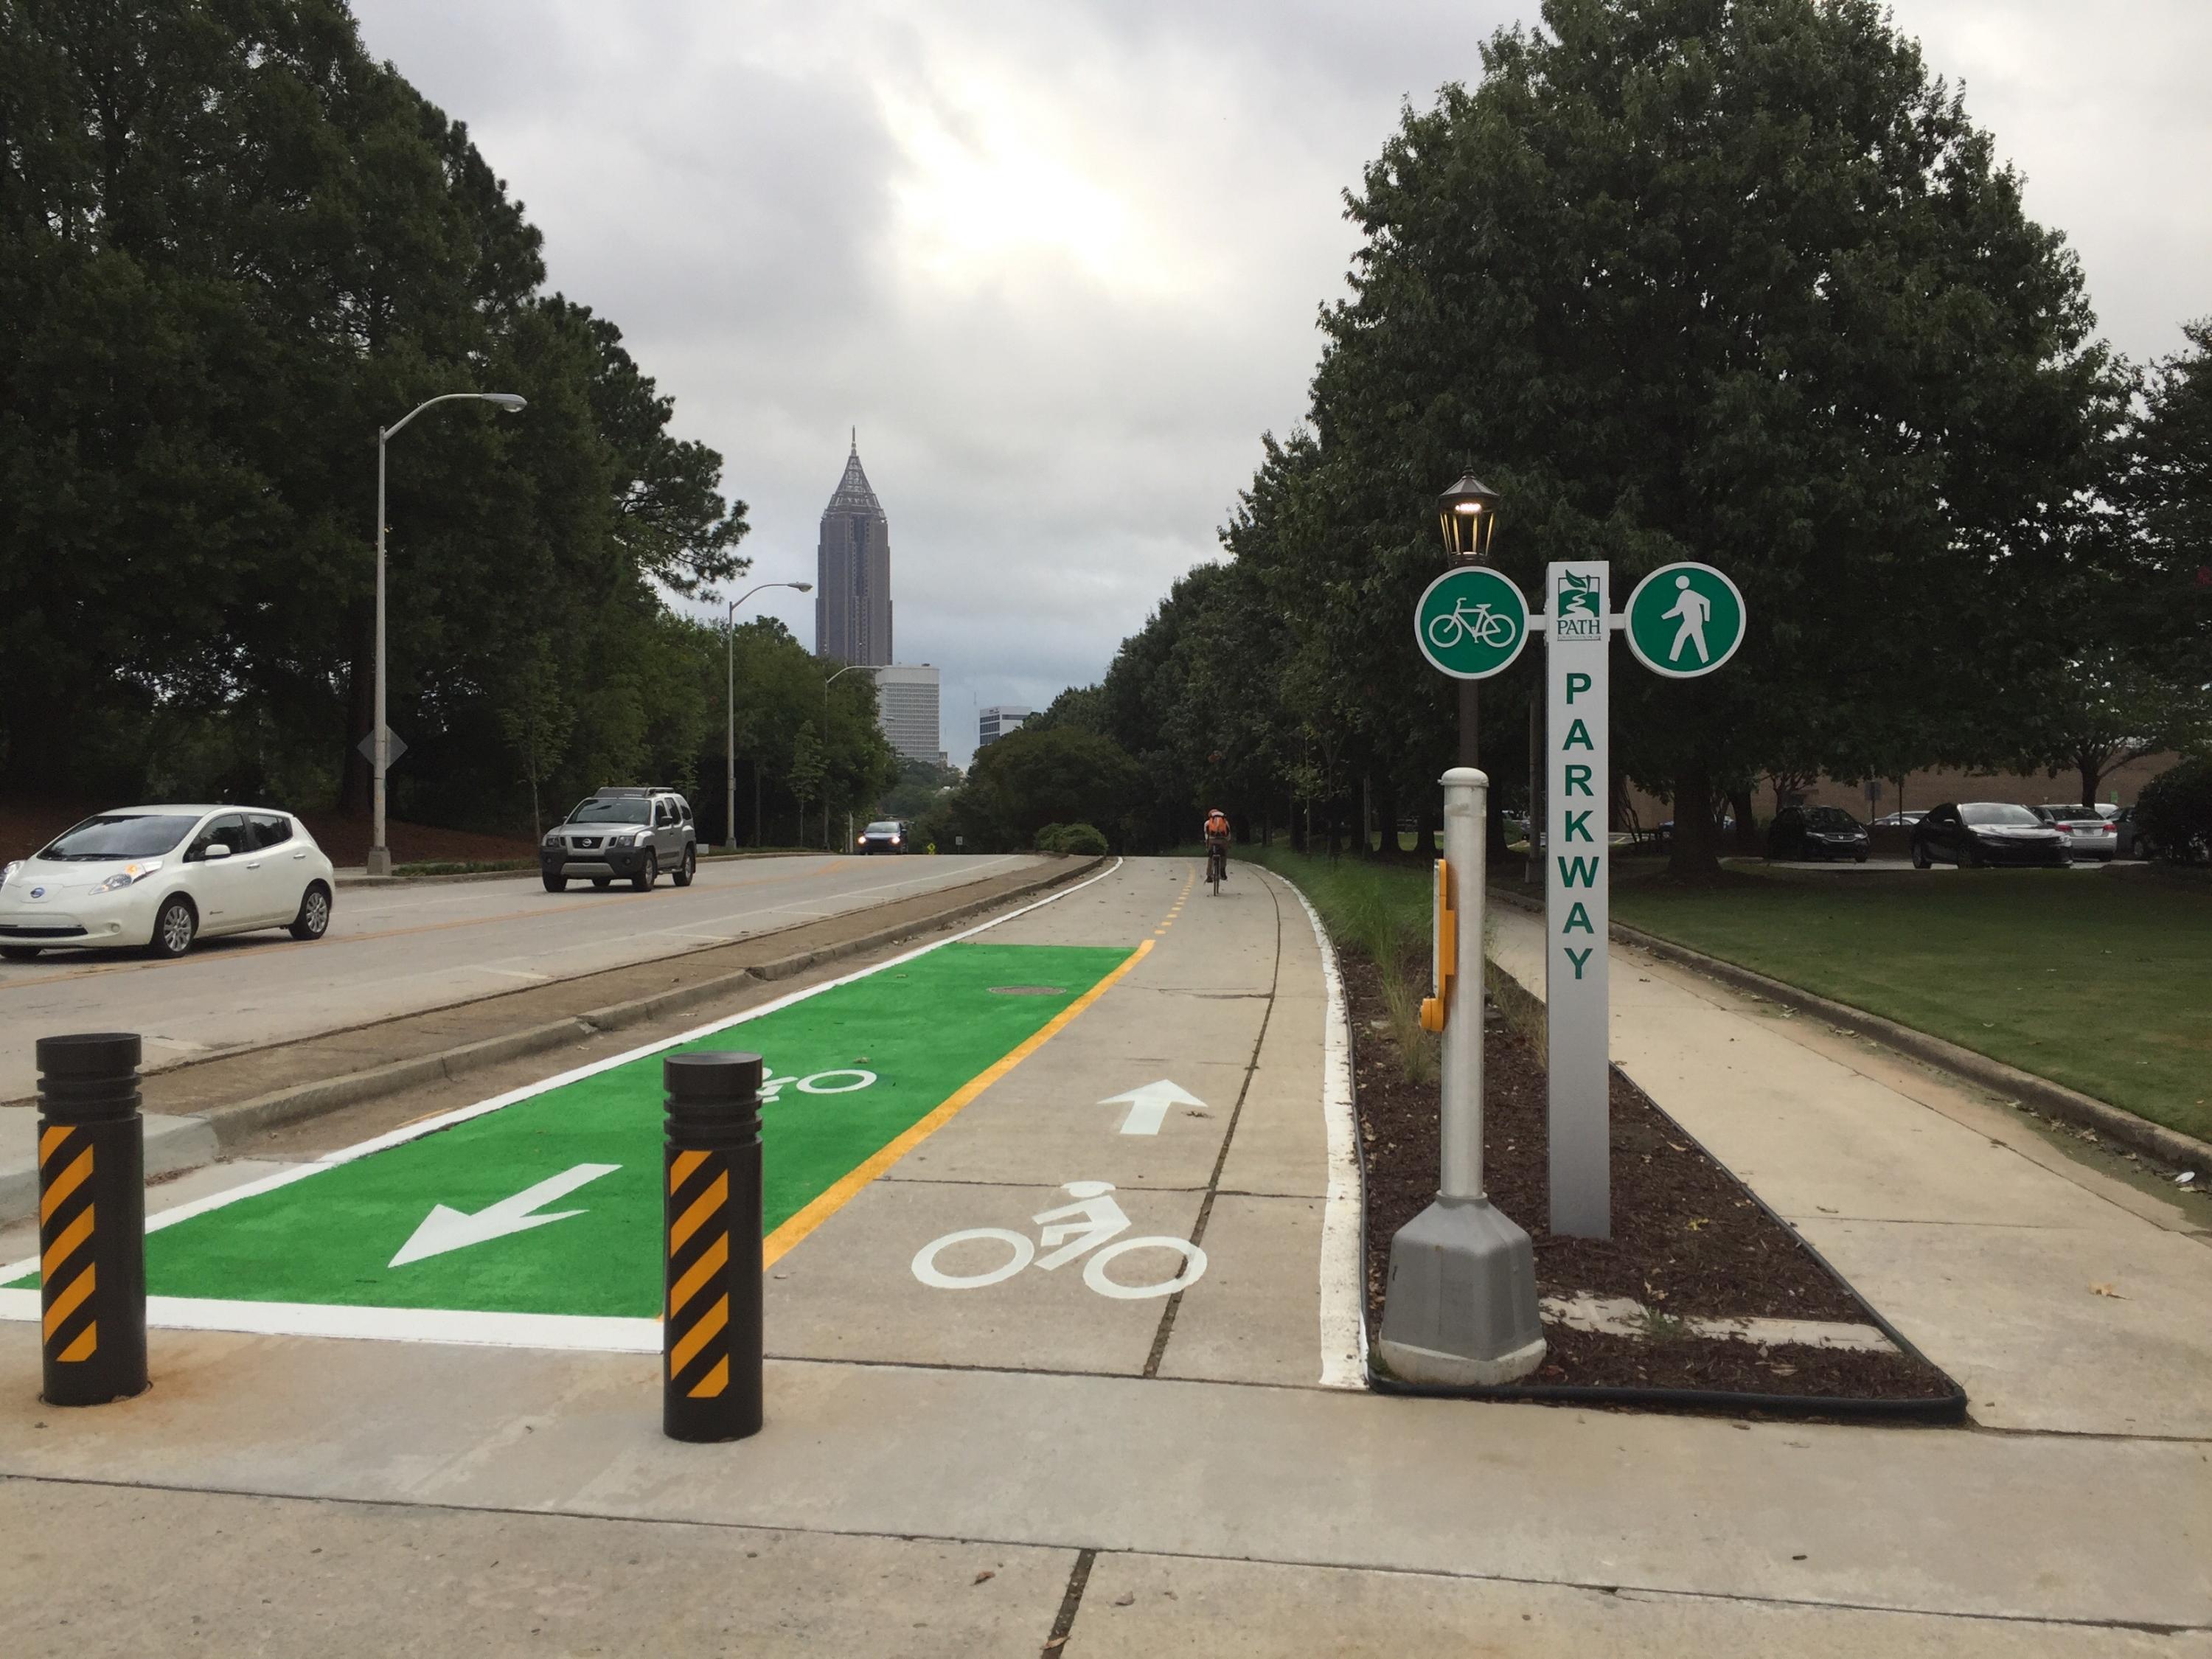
column 2075, row 814
column 1830, row 817
column 885, row 828
column 119, row 835
column 1990, row 812
column 627, row 809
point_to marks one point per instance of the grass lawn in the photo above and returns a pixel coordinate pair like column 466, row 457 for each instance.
column 2099, row 980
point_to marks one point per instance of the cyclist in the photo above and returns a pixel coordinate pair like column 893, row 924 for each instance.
column 1217, row 843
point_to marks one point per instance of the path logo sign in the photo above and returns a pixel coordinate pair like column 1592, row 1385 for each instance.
column 1471, row 623
column 1578, row 610
column 1684, row 620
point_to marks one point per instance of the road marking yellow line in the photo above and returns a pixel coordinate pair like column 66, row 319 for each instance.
column 788, row 1237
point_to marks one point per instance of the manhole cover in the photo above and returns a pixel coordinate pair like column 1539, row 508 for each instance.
column 1029, row 991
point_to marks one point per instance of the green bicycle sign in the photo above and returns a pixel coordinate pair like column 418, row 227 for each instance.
column 1684, row 620
column 1471, row 623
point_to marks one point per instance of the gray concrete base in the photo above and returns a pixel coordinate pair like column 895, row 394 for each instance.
column 172, row 1144
column 1460, row 1307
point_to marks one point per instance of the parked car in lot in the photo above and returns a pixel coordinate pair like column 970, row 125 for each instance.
column 885, row 835
column 632, row 830
column 155, row 878
column 2087, row 830
column 1975, row 833
column 2128, row 841
column 1816, row 832
column 1898, row 820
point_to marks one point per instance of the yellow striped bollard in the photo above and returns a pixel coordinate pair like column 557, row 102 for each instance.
column 710, row 1371
column 92, row 1218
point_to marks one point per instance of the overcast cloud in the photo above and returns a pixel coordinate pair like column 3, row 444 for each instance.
column 1060, row 262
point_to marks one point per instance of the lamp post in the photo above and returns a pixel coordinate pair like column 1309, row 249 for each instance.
column 1466, row 514
column 730, row 741
column 865, row 667
column 380, row 855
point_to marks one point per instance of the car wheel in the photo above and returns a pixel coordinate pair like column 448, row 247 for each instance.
column 689, row 868
column 643, row 879
column 19, row 953
column 1920, row 859
column 600, row 883
column 1859, row 858
column 315, row 918
column 174, row 925
column 557, row 884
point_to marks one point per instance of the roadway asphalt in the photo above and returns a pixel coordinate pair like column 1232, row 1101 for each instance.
column 403, row 949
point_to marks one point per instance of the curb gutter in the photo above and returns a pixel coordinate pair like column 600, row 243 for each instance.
column 2055, row 1100
column 186, row 1142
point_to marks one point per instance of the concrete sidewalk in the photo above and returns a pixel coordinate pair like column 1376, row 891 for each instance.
column 1029, row 1468
column 2061, row 1298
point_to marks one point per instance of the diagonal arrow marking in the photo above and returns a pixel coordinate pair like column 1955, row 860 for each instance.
column 1148, row 1106
column 446, row 1229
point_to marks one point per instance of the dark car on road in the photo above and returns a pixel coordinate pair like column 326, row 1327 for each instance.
column 1974, row 833
column 885, row 835
column 1816, row 832
column 635, row 831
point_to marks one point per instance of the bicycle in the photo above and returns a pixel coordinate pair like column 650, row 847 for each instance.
column 1483, row 626
column 1086, row 1224
column 1216, row 867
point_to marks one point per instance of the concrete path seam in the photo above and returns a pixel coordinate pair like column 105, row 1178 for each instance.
column 1228, row 1137
column 1610, row 1587
column 2168, row 1145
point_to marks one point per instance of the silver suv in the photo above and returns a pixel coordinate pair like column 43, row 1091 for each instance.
column 635, row 831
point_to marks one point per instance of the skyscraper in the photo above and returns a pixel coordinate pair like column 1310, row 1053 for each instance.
column 852, row 582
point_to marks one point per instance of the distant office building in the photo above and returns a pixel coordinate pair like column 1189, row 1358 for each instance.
column 906, row 704
column 853, row 579
column 996, row 723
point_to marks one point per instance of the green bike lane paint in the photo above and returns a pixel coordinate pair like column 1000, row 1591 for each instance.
column 535, row 1218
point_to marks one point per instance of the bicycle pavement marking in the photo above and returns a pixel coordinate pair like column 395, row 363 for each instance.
column 500, row 1183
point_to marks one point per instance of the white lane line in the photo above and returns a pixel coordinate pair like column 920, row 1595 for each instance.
column 1343, row 1318
column 587, row 1333
column 403, row 1322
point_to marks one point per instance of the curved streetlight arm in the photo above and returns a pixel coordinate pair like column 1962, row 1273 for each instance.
column 730, row 735
column 868, row 667
column 507, row 400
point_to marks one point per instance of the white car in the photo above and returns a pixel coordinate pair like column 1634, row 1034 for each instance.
column 153, row 878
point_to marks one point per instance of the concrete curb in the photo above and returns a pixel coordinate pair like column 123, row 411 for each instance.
column 186, row 1142
column 531, row 872
column 2052, row 1099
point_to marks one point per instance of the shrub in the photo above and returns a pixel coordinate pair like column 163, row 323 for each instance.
column 2174, row 810
column 1082, row 838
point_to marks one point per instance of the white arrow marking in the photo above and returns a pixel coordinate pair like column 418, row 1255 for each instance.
column 445, row 1229
column 1148, row 1106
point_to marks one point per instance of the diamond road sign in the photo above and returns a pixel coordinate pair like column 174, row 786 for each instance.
column 1683, row 620
column 1471, row 623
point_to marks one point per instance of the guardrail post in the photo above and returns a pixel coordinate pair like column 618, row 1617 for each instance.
column 711, row 1336
column 92, row 1218
column 1459, row 1307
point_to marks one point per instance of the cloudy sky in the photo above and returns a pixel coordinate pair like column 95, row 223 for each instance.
column 1058, row 260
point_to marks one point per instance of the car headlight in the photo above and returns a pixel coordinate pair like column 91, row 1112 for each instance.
column 127, row 875
column 9, row 869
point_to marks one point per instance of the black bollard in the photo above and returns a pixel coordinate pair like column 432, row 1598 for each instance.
column 710, row 1343
column 92, row 1217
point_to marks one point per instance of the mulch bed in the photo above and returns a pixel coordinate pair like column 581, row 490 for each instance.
column 1689, row 1239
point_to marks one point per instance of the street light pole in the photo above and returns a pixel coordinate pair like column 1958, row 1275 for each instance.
column 729, row 738
column 867, row 667
column 380, row 855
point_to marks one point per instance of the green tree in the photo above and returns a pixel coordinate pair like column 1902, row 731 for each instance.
column 809, row 773
column 536, row 717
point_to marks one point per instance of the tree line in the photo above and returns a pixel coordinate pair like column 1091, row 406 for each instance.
column 233, row 246
column 1736, row 281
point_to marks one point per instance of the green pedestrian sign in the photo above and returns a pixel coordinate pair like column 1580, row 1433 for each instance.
column 1683, row 620
column 1471, row 623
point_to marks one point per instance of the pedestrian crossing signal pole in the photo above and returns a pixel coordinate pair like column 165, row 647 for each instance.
column 92, row 1218
column 711, row 1327
column 1460, row 1305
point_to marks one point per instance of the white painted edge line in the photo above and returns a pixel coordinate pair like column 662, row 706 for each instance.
column 1343, row 1296
column 584, row 1333
column 169, row 1217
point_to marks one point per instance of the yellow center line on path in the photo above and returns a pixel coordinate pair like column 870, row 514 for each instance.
column 781, row 1242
